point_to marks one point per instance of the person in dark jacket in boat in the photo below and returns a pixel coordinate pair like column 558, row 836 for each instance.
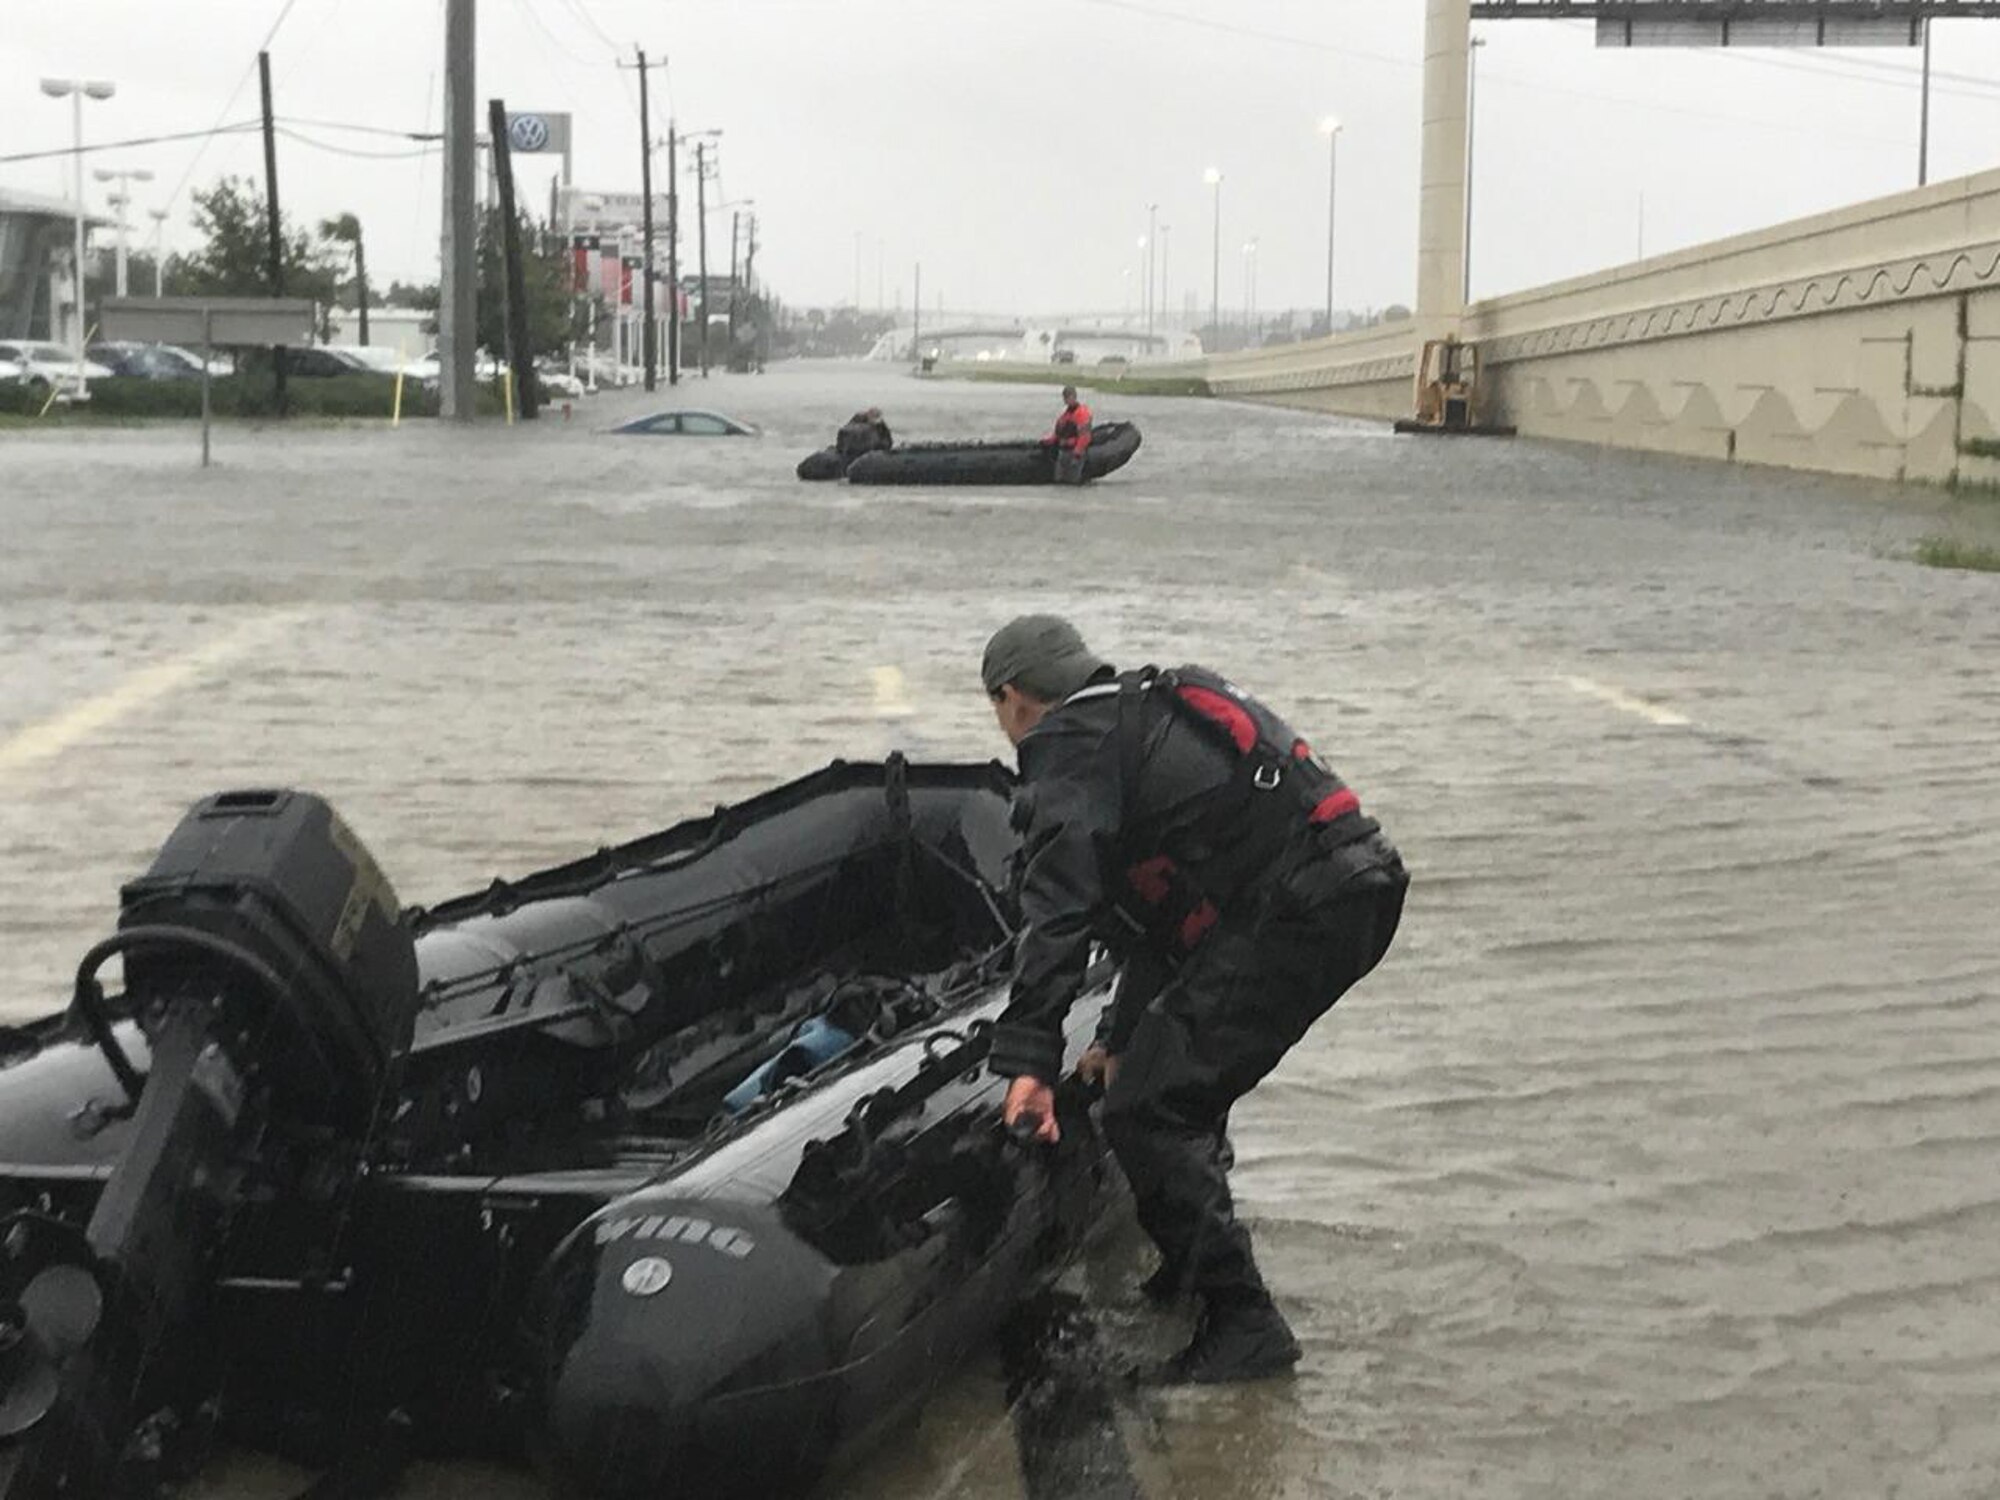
column 864, row 432
column 1071, row 438
column 1184, row 825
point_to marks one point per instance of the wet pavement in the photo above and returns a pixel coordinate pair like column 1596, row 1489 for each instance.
column 1659, row 1157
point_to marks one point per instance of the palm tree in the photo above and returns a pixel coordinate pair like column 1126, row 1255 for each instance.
column 346, row 230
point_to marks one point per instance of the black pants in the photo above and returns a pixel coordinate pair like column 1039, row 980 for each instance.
column 1243, row 1000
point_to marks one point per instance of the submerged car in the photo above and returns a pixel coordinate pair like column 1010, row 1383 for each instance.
column 686, row 424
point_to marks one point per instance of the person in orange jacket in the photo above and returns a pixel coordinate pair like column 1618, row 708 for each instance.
column 1071, row 438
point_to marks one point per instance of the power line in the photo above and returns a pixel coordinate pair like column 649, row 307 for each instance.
column 407, row 135
column 1255, row 33
column 305, row 140
column 215, row 130
column 527, row 7
column 583, row 15
column 139, row 140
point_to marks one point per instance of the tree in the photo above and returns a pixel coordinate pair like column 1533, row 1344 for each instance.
column 554, row 316
column 423, row 296
column 346, row 230
column 234, row 258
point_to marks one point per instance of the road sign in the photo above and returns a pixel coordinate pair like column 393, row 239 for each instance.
column 206, row 322
column 227, row 321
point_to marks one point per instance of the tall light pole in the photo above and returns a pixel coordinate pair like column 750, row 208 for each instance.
column 1471, row 126
column 1250, row 291
column 1146, row 276
column 1165, row 305
column 76, row 89
column 1330, row 128
column 1213, row 177
column 159, row 218
column 1152, row 243
column 121, row 200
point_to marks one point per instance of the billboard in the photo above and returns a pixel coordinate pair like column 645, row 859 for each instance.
column 1744, row 23
column 596, row 212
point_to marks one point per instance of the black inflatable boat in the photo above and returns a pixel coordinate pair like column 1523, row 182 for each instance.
column 676, row 1166
column 1025, row 462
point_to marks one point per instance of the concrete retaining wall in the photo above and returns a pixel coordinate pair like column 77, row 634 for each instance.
column 1863, row 341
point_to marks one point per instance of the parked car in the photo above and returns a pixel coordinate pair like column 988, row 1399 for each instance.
column 686, row 424
column 44, row 364
column 558, row 382
column 382, row 359
column 145, row 361
column 319, row 362
column 11, row 371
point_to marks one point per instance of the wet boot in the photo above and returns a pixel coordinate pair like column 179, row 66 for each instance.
column 1236, row 1339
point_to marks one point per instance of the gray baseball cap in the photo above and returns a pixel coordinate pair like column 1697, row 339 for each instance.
column 1043, row 653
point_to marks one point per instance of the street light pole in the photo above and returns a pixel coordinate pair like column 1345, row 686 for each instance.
column 121, row 200
column 76, row 89
column 1213, row 177
column 1250, row 291
column 1330, row 128
column 1162, row 302
column 1152, row 244
column 159, row 218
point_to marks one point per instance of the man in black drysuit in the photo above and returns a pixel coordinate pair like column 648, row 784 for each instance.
column 1178, row 821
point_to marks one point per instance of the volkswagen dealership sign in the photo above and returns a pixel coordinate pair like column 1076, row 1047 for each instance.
column 534, row 131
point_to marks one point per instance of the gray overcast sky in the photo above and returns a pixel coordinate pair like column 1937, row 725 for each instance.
column 1012, row 145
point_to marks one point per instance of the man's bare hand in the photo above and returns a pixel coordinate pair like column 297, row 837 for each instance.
column 1098, row 1065
column 1030, row 1111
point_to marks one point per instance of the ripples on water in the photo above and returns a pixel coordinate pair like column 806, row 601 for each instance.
column 1659, row 1157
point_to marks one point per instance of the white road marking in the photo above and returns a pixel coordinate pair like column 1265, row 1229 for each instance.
column 48, row 739
column 1620, row 699
column 891, row 699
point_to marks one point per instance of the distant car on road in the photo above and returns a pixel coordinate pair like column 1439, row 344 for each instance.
column 686, row 424
column 44, row 364
column 145, row 361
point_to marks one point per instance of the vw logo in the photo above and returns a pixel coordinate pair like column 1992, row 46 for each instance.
column 647, row 1276
column 527, row 132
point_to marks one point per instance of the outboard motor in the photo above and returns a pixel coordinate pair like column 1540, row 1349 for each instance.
column 272, row 981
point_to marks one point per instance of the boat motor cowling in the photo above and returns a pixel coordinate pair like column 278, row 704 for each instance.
column 272, row 979
column 289, row 901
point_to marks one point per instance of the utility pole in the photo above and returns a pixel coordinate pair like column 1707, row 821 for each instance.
column 1471, row 127
column 701, row 150
column 458, row 270
column 735, row 230
column 673, row 258
column 276, row 274
column 520, row 358
column 1924, row 127
column 650, row 339
column 917, row 318
column 750, row 286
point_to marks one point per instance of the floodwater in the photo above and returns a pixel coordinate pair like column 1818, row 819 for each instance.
column 1658, row 1159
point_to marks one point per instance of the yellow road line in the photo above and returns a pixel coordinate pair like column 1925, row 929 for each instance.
column 1620, row 699
column 52, row 736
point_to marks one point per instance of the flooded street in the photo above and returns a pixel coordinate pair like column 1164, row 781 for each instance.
column 1657, row 1159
